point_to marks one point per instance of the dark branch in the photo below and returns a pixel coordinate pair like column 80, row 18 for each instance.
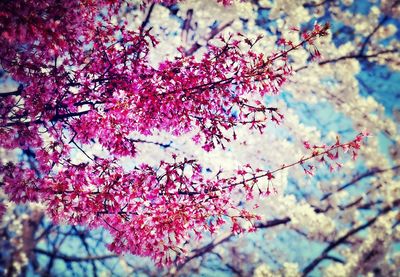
column 369, row 173
column 12, row 93
column 53, row 119
column 377, row 27
column 324, row 255
column 368, row 38
column 272, row 223
column 213, row 33
column 314, row 4
column 147, row 19
column 73, row 258
column 336, row 259
column 209, row 247
column 352, row 56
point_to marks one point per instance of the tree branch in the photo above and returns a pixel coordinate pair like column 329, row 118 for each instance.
column 212, row 34
column 377, row 27
column 209, row 247
column 369, row 173
column 351, row 56
column 315, row 4
column 147, row 18
column 273, row 223
column 53, row 119
column 368, row 38
column 11, row 93
column 73, row 258
column 324, row 255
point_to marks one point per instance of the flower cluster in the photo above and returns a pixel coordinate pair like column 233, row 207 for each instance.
column 87, row 80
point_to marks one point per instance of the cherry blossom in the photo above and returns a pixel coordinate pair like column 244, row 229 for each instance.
column 84, row 79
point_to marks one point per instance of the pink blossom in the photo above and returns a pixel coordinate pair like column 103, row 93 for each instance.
column 87, row 81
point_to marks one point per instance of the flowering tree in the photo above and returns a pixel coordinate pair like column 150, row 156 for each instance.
column 92, row 95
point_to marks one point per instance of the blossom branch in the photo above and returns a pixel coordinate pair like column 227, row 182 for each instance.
column 309, row 268
column 367, row 174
